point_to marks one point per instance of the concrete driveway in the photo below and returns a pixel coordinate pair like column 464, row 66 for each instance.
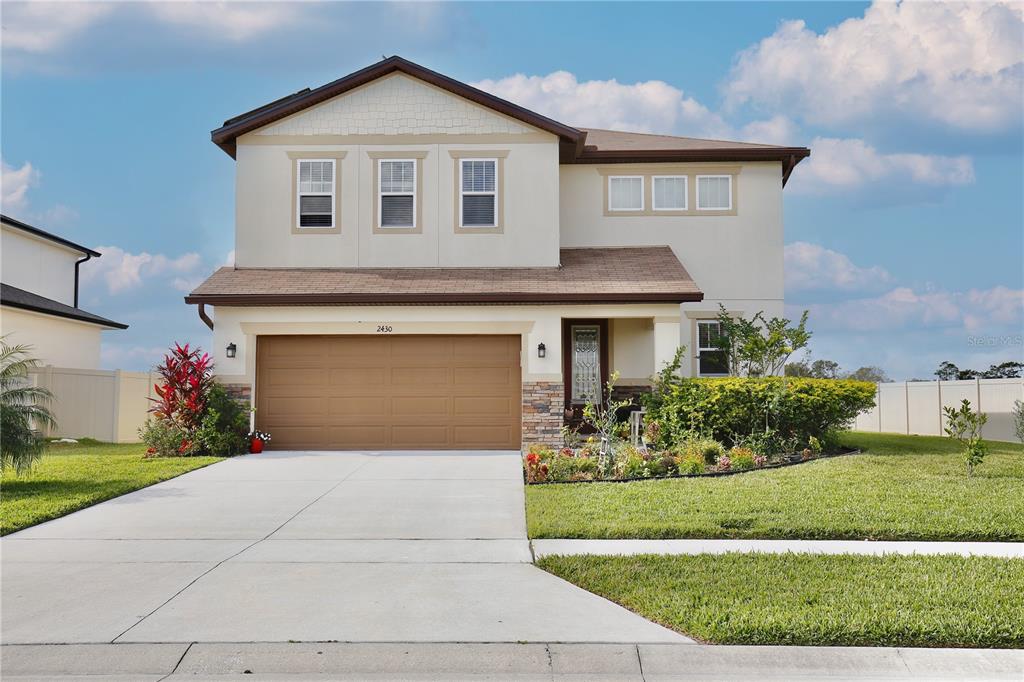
column 305, row 546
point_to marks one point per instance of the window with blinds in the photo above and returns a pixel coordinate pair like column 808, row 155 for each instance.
column 316, row 193
column 714, row 192
column 626, row 193
column 479, row 193
column 669, row 193
column 397, row 193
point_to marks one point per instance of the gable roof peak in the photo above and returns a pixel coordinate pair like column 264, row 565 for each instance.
column 225, row 136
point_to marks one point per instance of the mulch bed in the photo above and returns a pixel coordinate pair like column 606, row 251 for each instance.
column 789, row 461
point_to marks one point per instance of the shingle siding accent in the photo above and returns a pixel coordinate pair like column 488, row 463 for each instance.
column 543, row 412
column 398, row 105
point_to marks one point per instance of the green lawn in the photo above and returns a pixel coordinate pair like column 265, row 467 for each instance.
column 70, row 477
column 801, row 599
column 901, row 488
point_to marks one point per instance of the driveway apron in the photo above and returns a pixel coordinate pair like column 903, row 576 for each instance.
column 305, row 546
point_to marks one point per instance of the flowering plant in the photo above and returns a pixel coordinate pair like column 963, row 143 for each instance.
column 187, row 378
column 261, row 435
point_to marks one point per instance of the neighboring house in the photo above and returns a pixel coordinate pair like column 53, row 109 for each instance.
column 39, row 297
column 419, row 264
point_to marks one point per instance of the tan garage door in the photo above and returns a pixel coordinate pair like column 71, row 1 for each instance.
column 389, row 392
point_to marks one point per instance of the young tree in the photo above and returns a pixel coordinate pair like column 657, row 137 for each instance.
column 964, row 426
column 23, row 409
column 759, row 346
column 1018, row 419
column 875, row 375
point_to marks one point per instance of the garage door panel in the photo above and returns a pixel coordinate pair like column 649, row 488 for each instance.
column 437, row 406
column 419, row 376
column 420, row 437
column 356, row 376
column 357, row 407
column 486, row 406
column 389, row 392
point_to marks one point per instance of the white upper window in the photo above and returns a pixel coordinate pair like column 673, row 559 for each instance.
column 669, row 192
column 710, row 356
column 714, row 192
column 478, row 196
column 316, row 193
column 397, row 193
column 626, row 193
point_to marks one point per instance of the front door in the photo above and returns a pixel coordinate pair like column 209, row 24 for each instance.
column 585, row 363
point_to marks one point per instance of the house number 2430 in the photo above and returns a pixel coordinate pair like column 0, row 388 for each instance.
column 384, row 329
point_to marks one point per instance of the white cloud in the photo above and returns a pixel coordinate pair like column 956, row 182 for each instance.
column 234, row 21
column 813, row 267
column 844, row 164
column 125, row 271
column 15, row 184
column 960, row 65
column 974, row 311
column 37, row 27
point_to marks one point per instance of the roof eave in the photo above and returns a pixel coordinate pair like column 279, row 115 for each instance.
column 43, row 234
column 442, row 299
column 100, row 322
column 783, row 154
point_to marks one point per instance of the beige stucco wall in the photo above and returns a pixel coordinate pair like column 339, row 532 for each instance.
column 730, row 257
column 38, row 265
column 55, row 341
column 395, row 116
column 637, row 347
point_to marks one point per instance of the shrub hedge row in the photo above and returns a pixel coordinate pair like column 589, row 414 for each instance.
column 742, row 410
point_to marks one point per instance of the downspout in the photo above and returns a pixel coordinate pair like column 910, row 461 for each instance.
column 88, row 256
column 204, row 317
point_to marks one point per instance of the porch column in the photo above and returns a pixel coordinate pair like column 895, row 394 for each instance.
column 666, row 341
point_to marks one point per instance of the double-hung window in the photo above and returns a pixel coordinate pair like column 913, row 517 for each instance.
column 397, row 193
column 478, row 198
column 714, row 192
column 316, row 193
column 710, row 356
column 669, row 193
column 626, row 193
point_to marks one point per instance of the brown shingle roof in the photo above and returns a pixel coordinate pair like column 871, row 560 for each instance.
column 600, row 140
column 586, row 275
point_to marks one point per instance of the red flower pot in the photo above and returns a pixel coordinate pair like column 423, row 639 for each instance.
column 256, row 446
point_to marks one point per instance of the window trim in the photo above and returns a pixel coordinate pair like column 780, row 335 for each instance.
column 293, row 158
column 686, row 193
column 633, row 211
column 462, row 193
column 700, row 349
column 381, row 194
column 696, row 183
column 333, row 194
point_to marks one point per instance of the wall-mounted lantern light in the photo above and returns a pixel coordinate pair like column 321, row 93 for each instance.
column 230, row 350
column 541, row 350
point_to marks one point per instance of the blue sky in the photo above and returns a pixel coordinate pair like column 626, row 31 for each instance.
column 904, row 231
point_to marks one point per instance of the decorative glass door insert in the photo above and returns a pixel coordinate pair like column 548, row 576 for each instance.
column 586, row 363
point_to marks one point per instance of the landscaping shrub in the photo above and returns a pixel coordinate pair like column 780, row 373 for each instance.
column 691, row 463
column 742, row 458
column 766, row 414
column 224, row 426
column 23, row 409
column 165, row 438
column 569, row 468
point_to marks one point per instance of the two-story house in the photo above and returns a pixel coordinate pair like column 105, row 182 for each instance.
column 422, row 265
column 39, row 297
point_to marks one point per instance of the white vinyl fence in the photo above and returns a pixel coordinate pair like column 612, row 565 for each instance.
column 915, row 407
column 108, row 405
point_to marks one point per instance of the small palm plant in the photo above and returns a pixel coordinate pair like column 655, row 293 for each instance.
column 23, row 410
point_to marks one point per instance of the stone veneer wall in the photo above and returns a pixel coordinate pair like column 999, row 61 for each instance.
column 543, row 412
column 241, row 393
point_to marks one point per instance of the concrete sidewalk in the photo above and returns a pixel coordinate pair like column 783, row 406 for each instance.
column 346, row 546
column 542, row 548
column 537, row 661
